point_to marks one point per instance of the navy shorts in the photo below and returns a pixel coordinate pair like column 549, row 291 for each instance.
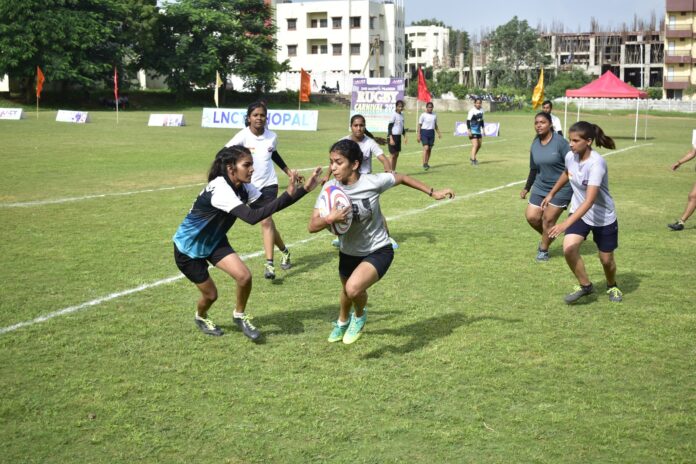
column 381, row 259
column 427, row 137
column 606, row 237
column 196, row 269
column 268, row 194
column 396, row 148
column 557, row 200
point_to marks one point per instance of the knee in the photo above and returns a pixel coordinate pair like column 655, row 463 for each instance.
column 607, row 259
column 267, row 223
column 244, row 278
column 353, row 291
column 570, row 249
column 692, row 195
column 210, row 295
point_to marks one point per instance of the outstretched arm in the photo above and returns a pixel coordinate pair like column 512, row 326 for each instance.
column 418, row 185
column 685, row 159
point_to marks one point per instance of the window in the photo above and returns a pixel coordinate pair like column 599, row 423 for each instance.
column 319, row 49
column 355, row 22
column 292, row 24
column 292, row 50
column 355, row 49
column 314, row 23
column 336, row 22
column 372, row 22
column 323, row 22
column 337, row 49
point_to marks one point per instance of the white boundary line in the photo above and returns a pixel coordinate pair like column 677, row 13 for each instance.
column 27, row 204
column 157, row 283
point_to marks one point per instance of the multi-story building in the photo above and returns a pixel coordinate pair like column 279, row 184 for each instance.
column 680, row 53
column 335, row 40
column 429, row 46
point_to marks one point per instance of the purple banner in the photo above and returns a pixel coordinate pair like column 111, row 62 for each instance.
column 490, row 129
column 375, row 98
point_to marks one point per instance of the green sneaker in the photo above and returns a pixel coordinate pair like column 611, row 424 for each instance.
column 615, row 295
column 337, row 332
column 355, row 328
column 285, row 263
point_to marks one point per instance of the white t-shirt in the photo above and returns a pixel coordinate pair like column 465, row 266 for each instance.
column 398, row 120
column 367, row 231
column 427, row 121
column 369, row 148
column 261, row 148
column 556, row 122
column 591, row 172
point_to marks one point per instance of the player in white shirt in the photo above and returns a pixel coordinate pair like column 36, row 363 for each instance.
column 365, row 250
column 262, row 143
column 427, row 126
column 395, row 130
column 547, row 107
column 591, row 209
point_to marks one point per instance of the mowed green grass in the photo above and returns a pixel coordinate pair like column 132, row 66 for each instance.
column 469, row 353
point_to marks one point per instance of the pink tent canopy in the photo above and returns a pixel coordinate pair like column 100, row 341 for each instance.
column 607, row 86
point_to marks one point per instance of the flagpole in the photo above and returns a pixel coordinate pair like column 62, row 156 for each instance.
column 116, row 111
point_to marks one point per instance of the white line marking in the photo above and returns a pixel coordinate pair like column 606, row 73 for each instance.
column 27, row 204
column 157, row 283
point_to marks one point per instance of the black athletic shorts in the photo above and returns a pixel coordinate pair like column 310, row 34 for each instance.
column 396, row 148
column 381, row 259
column 196, row 269
column 268, row 194
column 606, row 237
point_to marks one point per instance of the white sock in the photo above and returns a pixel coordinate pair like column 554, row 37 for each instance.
column 343, row 324
column 235, row 314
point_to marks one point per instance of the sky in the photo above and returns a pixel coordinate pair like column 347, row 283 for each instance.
column 474, row 16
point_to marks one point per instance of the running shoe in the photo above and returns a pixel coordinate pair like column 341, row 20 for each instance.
column 207, row 326
column 269, row 271
column 285, row 263
column 247, row 327
column 338, row 332
column 678, row 225
column 542, row 256
column 355, row 328
column 578, row 292
column 615, row 295
column 426, row 167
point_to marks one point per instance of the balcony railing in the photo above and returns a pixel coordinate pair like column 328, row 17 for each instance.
column 675, row 82
column 678, row 31
column 678, row 56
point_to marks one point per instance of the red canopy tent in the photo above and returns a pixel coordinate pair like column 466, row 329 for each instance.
column 607, row 86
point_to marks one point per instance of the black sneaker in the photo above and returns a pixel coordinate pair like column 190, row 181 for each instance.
column 208, row 327
column 578, row 292
column 679, row 225
column 247, row 327
column 269, row 271
column 426, row 167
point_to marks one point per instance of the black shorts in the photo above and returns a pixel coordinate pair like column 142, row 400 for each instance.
column 606, row 237
column 381, row 259
column 559, row 201
column 427, row 137
column 475, row 136
column 268, row 194
column 196, row 269
column 396, row 148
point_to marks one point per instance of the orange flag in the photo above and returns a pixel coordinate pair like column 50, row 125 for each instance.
column 305, row 86
column 39, row 82
column 538, row 94
column 116, row 85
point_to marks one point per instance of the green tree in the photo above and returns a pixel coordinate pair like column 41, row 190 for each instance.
column 74, row 41
column 514, row 46
column 196, row 38
column 558, row 84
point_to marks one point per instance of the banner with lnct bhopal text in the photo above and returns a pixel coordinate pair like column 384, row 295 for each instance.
column 375, row 98
column 233, row 118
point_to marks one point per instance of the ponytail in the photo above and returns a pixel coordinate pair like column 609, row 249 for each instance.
column 225, row 157
column 588, row 130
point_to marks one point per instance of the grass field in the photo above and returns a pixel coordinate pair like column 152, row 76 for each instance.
column 469, row 353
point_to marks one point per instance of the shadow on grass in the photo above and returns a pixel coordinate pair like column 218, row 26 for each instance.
column 422, row 333
column 292, row 322
column 302, row 263
column 403, row 237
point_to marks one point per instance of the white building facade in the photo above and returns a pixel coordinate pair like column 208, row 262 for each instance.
column 335, row 40
column 429, row 47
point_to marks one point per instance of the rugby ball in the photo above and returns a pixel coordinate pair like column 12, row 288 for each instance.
column 334, row 195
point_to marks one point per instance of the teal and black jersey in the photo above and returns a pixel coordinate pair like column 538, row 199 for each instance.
column 210, row 216
column 474, row 121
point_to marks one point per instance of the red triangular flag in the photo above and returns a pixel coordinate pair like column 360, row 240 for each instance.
column 423, row 94
column 116, row 85
column 39, row 82
column 305, row 86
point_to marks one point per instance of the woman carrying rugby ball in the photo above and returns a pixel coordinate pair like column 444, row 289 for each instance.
column 365, row 251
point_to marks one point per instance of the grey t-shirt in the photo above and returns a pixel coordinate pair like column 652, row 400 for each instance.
column 367, row 232
column 549, row 161
column 369, row 148
column 593, row 171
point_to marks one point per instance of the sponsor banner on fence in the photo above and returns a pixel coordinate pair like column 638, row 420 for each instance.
column 78, row 117
column 490, row 129
column 12, row 113
column 375, row 98
column 233, row 118
column 166, row 120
